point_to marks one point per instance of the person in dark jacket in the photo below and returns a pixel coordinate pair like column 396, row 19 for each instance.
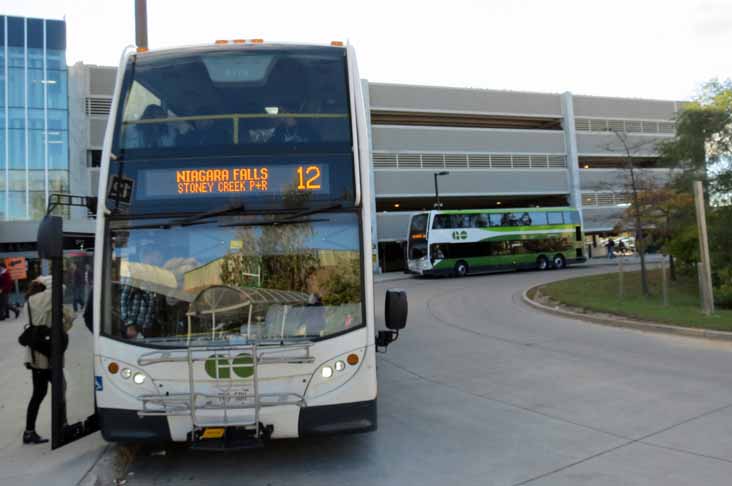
column 6, row 287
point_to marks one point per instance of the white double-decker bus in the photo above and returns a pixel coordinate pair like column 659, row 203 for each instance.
column 233, row 297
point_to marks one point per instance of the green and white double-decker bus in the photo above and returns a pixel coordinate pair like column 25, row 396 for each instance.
column 485, row 240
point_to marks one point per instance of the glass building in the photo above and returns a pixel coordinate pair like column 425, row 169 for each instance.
column 34, row 154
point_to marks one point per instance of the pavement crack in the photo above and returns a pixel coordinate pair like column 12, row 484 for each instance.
column 640, row 440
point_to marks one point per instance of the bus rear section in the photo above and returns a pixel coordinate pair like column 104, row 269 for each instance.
column 233, row 298
column 477, row 241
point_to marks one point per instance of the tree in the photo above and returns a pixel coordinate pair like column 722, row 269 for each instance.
column 639, row 214
column 702, row 150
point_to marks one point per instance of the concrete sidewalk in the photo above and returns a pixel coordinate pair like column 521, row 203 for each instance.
column 34, row 464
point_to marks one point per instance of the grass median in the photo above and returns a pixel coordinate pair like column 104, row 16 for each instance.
column 600, row 293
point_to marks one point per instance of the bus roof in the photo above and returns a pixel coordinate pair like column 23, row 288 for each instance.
column 190, row 49
column 502, row 210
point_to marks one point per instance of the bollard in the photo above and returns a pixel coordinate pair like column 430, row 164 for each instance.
column 664, row 280
column 620, row 278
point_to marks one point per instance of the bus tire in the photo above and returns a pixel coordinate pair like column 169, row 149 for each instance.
column 542, row 263
column 461, row 268
column 559, row 262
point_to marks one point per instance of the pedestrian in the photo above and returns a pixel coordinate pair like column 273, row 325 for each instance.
column 6, row 287
column 610, row 248
column 78, row 282
column 621, row 247
column 39, row 308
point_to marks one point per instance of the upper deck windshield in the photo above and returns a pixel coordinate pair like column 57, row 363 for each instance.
column 418, row 236
column 232, row 280
column 230, row 101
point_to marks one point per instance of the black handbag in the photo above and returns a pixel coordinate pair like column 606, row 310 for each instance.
column 38, row 338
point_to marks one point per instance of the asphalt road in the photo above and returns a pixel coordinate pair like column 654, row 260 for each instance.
column 482, row 389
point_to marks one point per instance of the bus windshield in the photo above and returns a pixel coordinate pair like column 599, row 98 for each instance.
column 418, row 236
column 232, row 280
column 232, row 101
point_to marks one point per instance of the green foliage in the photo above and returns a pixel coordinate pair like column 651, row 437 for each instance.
column 344, row 285
column 723, row 293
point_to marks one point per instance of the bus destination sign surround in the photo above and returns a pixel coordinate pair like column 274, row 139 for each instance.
column 249, row 180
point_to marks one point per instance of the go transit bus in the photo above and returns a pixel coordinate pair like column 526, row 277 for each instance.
column 233, row 295
column 485, row 240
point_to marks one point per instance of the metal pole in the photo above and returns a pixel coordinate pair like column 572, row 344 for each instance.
column 664, row 280
column 620, row 277
column 437, row 192
column 707, row 291
column 141, row 23
column 58, row 408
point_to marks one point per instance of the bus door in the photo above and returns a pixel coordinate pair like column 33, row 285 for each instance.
column 71, row 353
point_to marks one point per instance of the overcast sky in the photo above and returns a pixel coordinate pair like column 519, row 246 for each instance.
column 637, row 48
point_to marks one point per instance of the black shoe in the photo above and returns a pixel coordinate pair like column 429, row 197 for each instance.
column 17, row 313
column 33, row 438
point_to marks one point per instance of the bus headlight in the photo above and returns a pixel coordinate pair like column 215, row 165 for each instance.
column 125, row 373
column 139, row 378
column 326, row 371
column 340, row 365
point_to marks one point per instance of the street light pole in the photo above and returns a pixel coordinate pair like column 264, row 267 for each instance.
column 438, row 204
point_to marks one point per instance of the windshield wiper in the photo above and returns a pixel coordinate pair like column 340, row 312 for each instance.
column 308, row 212
column 210, row 214
column 274, row 222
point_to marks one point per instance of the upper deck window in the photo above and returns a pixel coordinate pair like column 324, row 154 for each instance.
column 235, row 101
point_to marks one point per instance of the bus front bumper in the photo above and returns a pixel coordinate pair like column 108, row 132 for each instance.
column 118, row 425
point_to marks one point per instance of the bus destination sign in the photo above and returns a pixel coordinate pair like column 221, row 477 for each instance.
column 250, row 180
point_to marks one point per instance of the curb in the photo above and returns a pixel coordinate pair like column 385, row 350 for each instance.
column 111, row 466
column 628, row 323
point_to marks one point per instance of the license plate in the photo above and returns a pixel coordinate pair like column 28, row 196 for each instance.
column 213, row 433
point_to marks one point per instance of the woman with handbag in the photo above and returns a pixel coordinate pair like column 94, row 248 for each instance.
column 39, row 306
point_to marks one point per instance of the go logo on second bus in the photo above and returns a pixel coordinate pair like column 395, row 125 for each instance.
column 221, row 367
column 460, row 235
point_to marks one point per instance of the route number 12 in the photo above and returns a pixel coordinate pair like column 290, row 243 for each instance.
column 308, row 178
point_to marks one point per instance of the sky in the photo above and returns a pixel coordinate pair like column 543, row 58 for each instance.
column 663, row 49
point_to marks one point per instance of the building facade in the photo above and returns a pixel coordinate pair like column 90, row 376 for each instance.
column 501, row 149
column 507, row 149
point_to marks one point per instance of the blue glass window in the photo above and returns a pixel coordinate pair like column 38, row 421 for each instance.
column 2, row 154
column 57, row 150
column 36, row 152
column 56, row 83
column 35, row 34
column 35, row 58
column 16, row 207
column 56, row 35
column 16, row 87
column 55, row 59
column 16, row 180
column 37, row 180
column 16, row 57
column 16, row 31
column 16, row 143
column 35, row 88
column 2, row 77
column 16, row 118
column 57, row 119
column 35, row 119
column 58, row 181
column 37, row 204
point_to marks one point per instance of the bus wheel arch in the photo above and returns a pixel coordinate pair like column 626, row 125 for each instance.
column 542, row 263
column 461, row 268
column 559, row 261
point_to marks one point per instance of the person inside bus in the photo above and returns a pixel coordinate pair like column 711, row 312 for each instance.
column 150, row 135
column 137, row 308
column 132, row 332
column 39, row 305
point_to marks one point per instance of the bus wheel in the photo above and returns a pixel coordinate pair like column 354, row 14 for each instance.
column 542, row 263
column 461, row 269
column 558, row 262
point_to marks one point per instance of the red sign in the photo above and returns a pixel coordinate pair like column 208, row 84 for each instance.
column 17, row 267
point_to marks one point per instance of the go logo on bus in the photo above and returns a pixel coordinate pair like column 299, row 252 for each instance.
column 460, row 235
column 221, row 367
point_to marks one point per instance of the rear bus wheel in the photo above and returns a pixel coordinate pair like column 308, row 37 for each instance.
column 461, row 269
column 559, row 262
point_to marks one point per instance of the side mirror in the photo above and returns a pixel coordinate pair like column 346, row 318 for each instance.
column 395, row 311
column 51, row 237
